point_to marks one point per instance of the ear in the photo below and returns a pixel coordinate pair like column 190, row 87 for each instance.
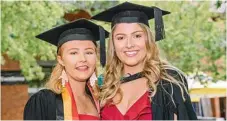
column 60, row 61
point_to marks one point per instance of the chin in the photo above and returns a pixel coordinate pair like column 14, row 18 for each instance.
column 83, row 76
column 131, row 63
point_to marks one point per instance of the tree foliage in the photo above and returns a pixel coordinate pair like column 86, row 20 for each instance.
column 21, row 22
column 194, row 41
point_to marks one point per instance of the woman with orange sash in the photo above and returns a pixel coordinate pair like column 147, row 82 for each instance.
column 70, row 93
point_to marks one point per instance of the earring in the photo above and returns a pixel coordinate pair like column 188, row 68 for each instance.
column 93, row 78
column 63, row 78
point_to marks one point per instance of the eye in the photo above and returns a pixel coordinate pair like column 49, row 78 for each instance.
column 89, row 52
column 138, row 35
column 120, row 37
column 73, row 53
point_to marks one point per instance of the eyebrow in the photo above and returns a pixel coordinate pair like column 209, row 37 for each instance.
column 73, row 49
column 131, row 33
column 89, row 48
column 137, row 31
column 79, row 49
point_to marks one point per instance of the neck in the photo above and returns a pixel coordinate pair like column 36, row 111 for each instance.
column 133, row 69
column 78, row 87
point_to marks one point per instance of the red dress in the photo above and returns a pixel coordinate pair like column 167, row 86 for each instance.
column 87, row 117
column 140, row 110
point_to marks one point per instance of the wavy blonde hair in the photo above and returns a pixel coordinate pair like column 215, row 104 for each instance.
column 55, row 84
column 154, row 69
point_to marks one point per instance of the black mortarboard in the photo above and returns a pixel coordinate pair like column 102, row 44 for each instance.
column 81, row 29
column 133, row 13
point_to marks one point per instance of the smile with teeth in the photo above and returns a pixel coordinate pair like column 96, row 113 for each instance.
column 82, row 68
column 131, row 53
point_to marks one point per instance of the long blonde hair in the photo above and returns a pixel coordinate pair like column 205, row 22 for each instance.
column 54, row 83
column 154, row 69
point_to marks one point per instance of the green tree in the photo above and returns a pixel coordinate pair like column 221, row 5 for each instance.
column 194, row 41
column 21, row 22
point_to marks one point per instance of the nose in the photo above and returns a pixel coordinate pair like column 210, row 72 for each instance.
column 82, row 58
column 129, row 42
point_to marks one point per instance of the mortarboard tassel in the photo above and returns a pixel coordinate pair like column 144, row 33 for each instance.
column 102, row 46
column 159, row 26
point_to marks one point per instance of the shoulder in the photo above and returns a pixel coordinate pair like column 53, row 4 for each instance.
column 41, row 97
column 173, row 89
column 177, row 74
column 44, row 93
column 41, row 105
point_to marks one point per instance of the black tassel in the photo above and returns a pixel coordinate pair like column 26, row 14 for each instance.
column 159, row 26
column 102, row 46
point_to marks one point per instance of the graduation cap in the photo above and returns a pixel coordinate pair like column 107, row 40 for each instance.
column 133, row 13
column 81, row 29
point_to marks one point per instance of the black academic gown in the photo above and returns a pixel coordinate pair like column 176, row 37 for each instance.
column 42, row 105
column 45, row 105
column 162, row 106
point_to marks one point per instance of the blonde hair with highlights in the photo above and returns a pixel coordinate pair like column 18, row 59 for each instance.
column 154, row 70
column 54, row 83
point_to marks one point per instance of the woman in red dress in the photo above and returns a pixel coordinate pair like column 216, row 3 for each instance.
column 138, row 84
column 69, row 94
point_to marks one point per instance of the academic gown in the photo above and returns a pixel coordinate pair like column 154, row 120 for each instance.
column 163, row 107
column 46, row 105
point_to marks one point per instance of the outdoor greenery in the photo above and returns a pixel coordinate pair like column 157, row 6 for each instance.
column 195, row 36
column 21, row 22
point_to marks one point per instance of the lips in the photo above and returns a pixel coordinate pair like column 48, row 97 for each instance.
column 131, row 53
column 82, row 68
